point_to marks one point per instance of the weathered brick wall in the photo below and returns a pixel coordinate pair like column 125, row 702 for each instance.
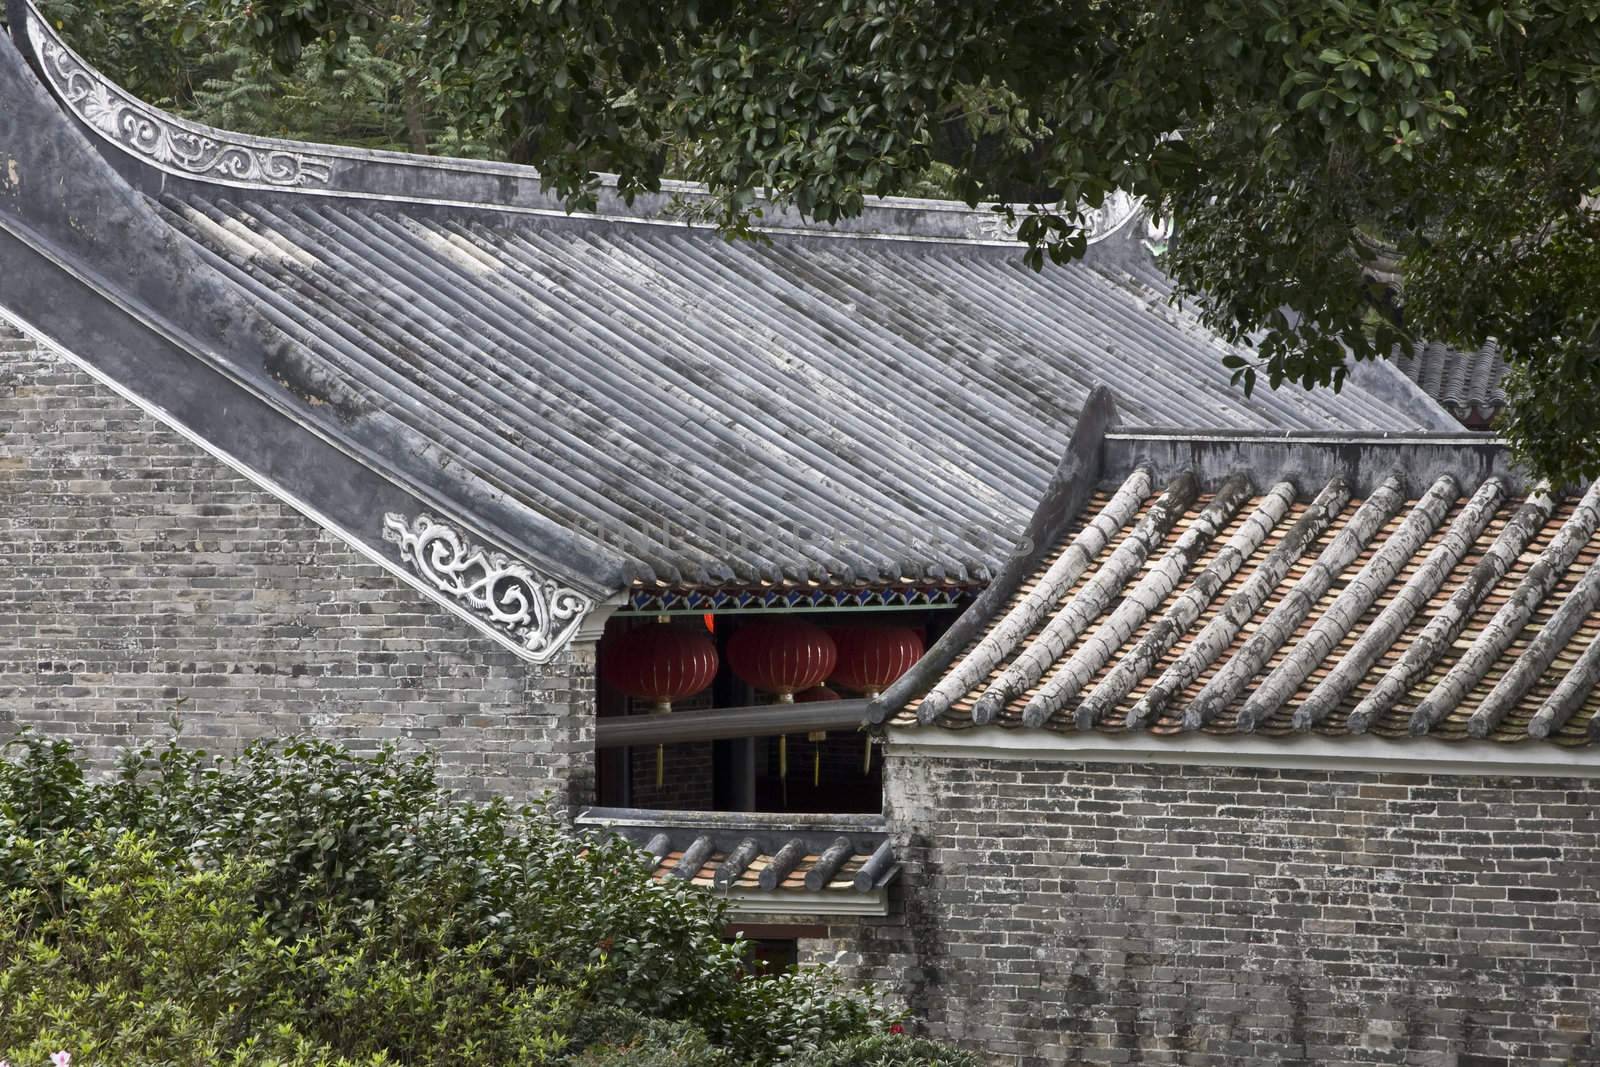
column 142, row 579
column 1068, row 914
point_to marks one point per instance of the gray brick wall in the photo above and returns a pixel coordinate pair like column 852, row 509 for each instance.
column 141, row 579
column 1069, row 914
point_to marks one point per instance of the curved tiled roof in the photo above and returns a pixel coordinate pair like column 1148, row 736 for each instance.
column 1466, row 384
column 785, row 392
column 1423, row 601
column 619, row 399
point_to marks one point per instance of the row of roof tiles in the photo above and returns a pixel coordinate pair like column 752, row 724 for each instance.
column 621, row 400
column 1453, row 611
column 1469, row 385
column 846, row 859
column 727, row 414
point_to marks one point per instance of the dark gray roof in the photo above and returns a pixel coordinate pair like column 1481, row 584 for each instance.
column 625, row 399
column 777, row 403
column 1467, row 384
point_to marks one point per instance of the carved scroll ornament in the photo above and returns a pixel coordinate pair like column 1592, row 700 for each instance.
column 539, row 614
column 165, row 140
column 1114, row 212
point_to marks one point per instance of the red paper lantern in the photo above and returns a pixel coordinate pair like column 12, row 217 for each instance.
column 815, row 694
column 660, row 663
column 782, row 657
column 871, row 658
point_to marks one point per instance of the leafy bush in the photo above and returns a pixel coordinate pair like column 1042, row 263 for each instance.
column 885, row 1050
column 299, row 905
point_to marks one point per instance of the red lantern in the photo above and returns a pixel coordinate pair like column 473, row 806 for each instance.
column 815, row 694
column 659, row 664
column 871, row 658
column 782, row 657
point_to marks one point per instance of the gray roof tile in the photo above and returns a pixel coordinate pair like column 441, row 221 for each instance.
column 806, row 409
column 1469, row 385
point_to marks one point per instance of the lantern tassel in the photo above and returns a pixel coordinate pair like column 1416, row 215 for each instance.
column 816, row 737
column 783, row 756
column 866, row 766
column 661, row 765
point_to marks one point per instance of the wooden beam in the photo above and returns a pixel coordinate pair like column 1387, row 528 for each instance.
column 762, row 720
column 775, row 931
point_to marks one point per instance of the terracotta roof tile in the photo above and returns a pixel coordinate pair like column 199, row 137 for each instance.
column 1479, row 606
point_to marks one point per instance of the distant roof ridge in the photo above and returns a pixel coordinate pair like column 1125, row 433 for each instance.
column 160, row 143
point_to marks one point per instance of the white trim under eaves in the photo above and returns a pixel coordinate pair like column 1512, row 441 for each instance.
column 746, row 903
column 590, row 630
column 1411, row 755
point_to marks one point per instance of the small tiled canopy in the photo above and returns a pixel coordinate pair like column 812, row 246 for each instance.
column 776, row 863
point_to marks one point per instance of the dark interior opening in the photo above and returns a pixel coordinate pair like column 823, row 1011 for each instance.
column 801, row 773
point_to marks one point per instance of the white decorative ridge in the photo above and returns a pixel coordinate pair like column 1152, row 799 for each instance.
column 170, row 142
column 1115, row 212
column 540, row 614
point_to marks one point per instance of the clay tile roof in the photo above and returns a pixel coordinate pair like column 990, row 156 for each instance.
column 779, row 864
column 1406, row 599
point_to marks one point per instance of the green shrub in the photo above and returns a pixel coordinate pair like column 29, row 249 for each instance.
column 885, row 1050
column 299, row 905
column 614, row 1037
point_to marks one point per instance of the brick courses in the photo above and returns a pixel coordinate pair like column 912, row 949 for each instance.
column 146, row 580
column 1058, row 913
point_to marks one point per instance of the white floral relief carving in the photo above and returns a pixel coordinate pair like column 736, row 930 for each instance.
column 164, row 139
column 540, row 614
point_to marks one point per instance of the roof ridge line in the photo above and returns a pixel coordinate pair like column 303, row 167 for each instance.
column 158, row 140
column 1070, row 487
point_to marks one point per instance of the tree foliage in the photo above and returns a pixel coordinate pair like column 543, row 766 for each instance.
column 174, row 55
column 305, row 907
column 1344, row 176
